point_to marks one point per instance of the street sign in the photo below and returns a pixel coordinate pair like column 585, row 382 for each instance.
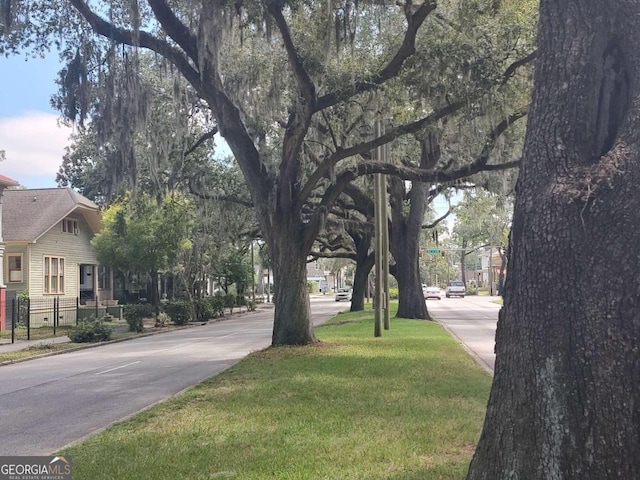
column 433, row 250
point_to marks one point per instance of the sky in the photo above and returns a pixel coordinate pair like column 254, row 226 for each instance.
column 30, row 135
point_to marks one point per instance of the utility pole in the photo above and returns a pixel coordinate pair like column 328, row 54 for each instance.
column 491, row 270
column 381, row 302
column 385, row 241
column 253, row 276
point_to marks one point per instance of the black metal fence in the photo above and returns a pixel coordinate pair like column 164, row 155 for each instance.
column 34, row 318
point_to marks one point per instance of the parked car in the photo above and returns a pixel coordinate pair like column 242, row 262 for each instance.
column 343, row 294
column 432, row 292
column 455, row 289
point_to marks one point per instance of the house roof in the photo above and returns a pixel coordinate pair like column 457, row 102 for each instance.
column 29, row 214
column 314, row 273
column 8, row 182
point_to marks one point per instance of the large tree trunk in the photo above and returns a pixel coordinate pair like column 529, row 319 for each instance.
column 404, row 241
column 152, row 293
column 411, row 302
column 565, row 402
column 292, row 317
column 364, row 264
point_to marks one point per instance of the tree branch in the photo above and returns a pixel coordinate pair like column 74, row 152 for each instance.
column 413, row 127
column 222, row 198
column 415, row 18
column 410, row 173
column 347, row 255
column 363, row 202
column 511, row 69
column 142, row 39
column 175, row 28
column 364, row 147
column 438, row 220
column 206, row 136
column 493, row 135
column 307, row 87
column 300, row 116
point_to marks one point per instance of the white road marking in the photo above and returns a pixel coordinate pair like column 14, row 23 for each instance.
column 227, row 336
column 117, row 368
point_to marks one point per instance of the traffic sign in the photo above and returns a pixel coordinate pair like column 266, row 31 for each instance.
column 433, row 250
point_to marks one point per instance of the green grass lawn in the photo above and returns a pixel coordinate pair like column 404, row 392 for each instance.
column 405, row 406
column 36, row 350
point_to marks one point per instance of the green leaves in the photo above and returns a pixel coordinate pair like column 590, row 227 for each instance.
column 142, row 236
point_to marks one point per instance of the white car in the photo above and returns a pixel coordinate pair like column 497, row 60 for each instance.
column 432, row 292
column 455, row 289
column 343, row 294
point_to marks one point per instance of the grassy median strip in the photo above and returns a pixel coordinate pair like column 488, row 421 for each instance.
column 405, row 406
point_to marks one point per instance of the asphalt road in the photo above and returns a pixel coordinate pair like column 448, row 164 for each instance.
column 472, row 320
column 50, row 402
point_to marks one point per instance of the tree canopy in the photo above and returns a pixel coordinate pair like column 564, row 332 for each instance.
column 291, row 87
column 143, row 237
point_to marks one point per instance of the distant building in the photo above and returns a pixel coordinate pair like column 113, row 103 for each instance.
column 316, row 275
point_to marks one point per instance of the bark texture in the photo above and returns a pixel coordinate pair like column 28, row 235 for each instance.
column 364, row 264
column 292, row 317
column 404, row 243
column 565, row 401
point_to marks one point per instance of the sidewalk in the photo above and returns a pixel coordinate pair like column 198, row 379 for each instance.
column 24, row 344
column 7, row 346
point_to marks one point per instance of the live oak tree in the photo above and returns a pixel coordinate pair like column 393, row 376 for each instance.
column 273, row 75
column 181, row 160
column 565, row 395
column 106, row 158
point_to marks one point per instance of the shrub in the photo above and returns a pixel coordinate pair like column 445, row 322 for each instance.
column 393, row 293
column 89, row 331
column 162, row 319
column 217, row 305
column 229, row 301
column 23, row 308
column 251, row 305
column 135, row 314
column 204, row 309
column 178, row 310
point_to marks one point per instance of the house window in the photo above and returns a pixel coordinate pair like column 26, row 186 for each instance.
column 53, row 275
column 15, row 268
column 70, row 226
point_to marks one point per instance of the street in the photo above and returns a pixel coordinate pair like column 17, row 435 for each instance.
column 472, row 320
column 50, row 402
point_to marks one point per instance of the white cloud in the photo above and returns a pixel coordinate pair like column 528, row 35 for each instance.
column 34, row 144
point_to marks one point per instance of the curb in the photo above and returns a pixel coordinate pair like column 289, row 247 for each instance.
column 472, row 353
